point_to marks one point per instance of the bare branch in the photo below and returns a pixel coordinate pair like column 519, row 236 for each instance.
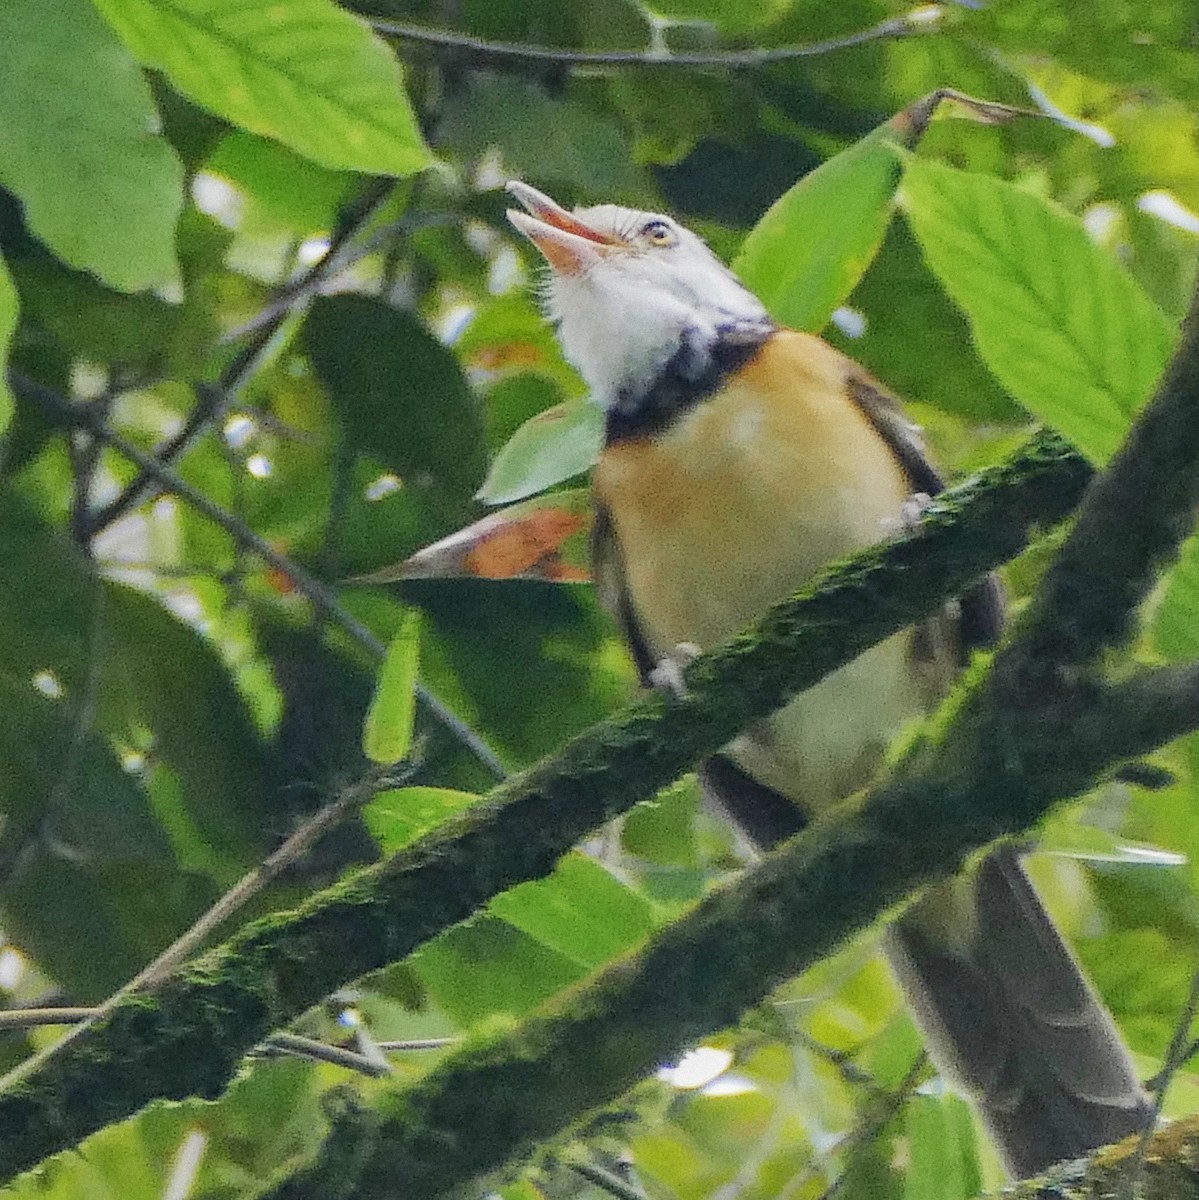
column 323, row 597
column 491, row 53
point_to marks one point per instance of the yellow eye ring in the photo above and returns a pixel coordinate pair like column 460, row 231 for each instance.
column 658, row 233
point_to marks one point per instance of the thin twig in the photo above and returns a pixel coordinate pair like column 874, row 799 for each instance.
column 448, row 41
column 607, row 1180
column 213, row 401
column 320, row 594
column 282, row 1043
column 406, row 1044
column 295, row 1046
column 251, row 884
column 876, row 1115
column 1180, row 1049
column 30, row 1018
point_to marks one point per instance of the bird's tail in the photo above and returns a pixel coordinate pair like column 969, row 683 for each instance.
column 1010, row 1017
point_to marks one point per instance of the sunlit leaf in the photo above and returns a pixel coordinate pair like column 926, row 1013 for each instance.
column 1064, row 328
column 1176, row 622
column 307, row 73
column 68, row 88
column 582, row 910
column 555, row 445
column 387, row 733
column 805, row 255
column 400, row 815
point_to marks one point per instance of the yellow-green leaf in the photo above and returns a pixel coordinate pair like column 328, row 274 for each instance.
column 1059, row 322
column 79, row 145
column 305, row 72
column 815, row 242
column 387, row 733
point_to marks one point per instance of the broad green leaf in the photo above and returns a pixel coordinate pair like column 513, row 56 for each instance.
column 815, row 242
column 582, row 911
column 543, row 136
column 305, row 72
column 8, row 325
column 401, row 398
column 943, row 1162
column 1176, row 623
column 533, row 941
column 1141, row 46
column 553, row 446
column 1064, row 328
column 488, row 967
column 387, row 732
column 79, row 144
column 401, row 815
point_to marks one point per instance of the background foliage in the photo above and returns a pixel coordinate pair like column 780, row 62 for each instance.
column 269, row 244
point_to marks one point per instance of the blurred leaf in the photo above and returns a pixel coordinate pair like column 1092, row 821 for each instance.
column 805, row 255
column 401, row 815
column 916, row 341
column 110, row 203
column 171, row 682
column 544, row 538
column 662, row 830
column 1139, row 46
column 488, row 967
column 283, row 189
column 943, row 1164
column 544, row 138
column 533, row 941
column 93, row 321
column 560, row 660
column 1176, row 622
column 402, row 398
column 8, row 324
column 582, row 911
column 1063, row 327
column 306, row 72
column 553, row 446
column 387, row 732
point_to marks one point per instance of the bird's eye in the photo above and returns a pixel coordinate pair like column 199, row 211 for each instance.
column 658, row 233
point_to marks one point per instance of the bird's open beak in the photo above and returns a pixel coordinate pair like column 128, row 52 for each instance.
column 570, row 246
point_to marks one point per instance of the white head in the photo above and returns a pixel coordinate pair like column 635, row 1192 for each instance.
column 627, row 287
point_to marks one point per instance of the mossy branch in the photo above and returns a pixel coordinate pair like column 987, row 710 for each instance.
column 518, row 1083
column 186, row 1036
column 1169, row 1171
column 1036, row 727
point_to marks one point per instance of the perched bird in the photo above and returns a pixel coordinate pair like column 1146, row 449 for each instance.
column 740, row 459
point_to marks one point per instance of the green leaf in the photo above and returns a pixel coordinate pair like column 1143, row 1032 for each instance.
column 553, row 446
column 387, row 732
column 79, row 147
column 401, row 815
column 402, row 398
column 544, row 137
column 582, row 911
column 304, row 72
column 943, row 1161
column 489, row 967
column 815, row 242
column 8, row 325
column 1176, row 623
column 1063, row 327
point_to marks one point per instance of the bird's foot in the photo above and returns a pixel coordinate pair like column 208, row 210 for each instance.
column 667, row 675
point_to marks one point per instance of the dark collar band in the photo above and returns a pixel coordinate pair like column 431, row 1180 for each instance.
column 697, row 369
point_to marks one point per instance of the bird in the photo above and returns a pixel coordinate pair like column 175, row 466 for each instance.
column 740, row 458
